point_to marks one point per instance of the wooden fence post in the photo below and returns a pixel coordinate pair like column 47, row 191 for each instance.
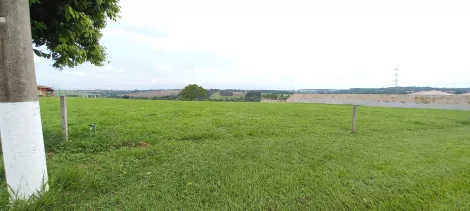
column 63, row 115
column 354, row 118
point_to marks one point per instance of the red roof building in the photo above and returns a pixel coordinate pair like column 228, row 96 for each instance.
column 45, row 91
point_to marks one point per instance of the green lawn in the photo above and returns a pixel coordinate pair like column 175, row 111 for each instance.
column 172, row 155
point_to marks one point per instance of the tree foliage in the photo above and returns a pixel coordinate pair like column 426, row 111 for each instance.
column 226, row 93
column 254, row 96
column 192, row 92
column 68, row 31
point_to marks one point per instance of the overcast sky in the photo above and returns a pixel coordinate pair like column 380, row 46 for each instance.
column 278, row 44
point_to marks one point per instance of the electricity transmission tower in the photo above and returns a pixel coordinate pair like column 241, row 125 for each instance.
column 396, row 80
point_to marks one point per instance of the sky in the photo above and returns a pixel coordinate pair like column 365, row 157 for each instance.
column 278, row 44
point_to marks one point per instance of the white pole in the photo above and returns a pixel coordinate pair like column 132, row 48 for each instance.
column 23, row 149
column 20, row 118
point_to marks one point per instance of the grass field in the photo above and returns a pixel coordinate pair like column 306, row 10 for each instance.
column 172, row 155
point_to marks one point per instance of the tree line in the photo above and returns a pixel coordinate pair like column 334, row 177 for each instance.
column 194, row 92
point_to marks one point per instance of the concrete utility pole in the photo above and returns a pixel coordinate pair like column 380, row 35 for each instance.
column 20, row 120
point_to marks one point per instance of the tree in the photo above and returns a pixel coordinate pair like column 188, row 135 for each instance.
column 209, row 92
column 253, row 96
column 192, row 92
column 226, row 93
column 70, row 30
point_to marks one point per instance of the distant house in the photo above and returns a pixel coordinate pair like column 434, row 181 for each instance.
column 45, row 91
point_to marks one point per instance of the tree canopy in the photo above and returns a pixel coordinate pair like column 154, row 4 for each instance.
column 226, row 93
column 192, row 92
column 68, row 31
column 254, row 96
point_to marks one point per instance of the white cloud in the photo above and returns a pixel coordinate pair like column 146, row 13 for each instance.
column 163, row 68
column 306, row 43
column 41, row 60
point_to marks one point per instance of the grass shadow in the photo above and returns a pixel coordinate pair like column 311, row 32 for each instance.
column 464, row 122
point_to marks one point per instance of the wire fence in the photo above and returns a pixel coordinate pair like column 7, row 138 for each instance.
column 59, row 92
column 76, row 93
